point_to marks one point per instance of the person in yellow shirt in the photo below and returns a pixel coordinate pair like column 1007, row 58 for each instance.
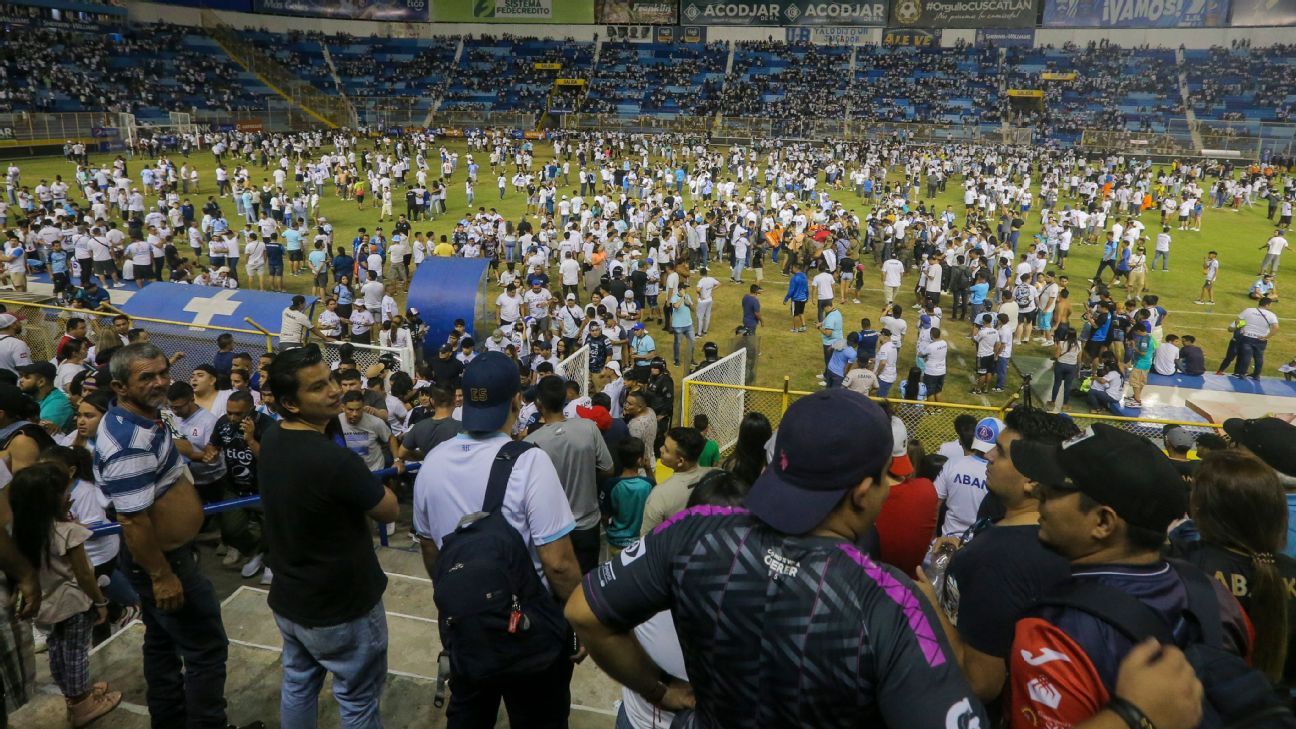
column 444, row 248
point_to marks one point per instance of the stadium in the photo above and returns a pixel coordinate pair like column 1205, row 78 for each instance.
column 700, row 260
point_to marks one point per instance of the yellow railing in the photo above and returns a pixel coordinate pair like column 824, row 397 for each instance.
column 932, row 423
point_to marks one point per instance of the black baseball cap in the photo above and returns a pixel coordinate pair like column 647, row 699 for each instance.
column 490, row 382
column 44, row 369
column 1114, row 467
column 826, row 444
column 1270, row 439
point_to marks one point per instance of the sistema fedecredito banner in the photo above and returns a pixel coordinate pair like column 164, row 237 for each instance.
column 1136, row 13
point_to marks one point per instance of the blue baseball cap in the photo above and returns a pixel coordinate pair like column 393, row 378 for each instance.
column 986, row 434
column 490, row 381
column 814, row 466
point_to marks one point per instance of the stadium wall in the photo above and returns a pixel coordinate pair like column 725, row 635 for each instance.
column 146, row 12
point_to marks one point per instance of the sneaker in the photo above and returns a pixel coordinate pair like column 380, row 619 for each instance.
column 130, row 614
column 232, row 557
column 997, row 389
column 253, row 565
column 1199, row 301
column 1237, row 376
column 267, row 577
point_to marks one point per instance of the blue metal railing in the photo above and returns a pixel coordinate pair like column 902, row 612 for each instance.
column 244, row 502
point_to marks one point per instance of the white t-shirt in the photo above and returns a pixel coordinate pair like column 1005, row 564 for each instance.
column 823, row 284
column 888, row 356
column 986, row 338
column 1258, row 322
column 705, row 286
column 962, row 486
column 892, row 271
column 1006, row 339
column 293, row 327
column 510, row 307
column 90, row 507
column 1276, row 245
column 452, row 483
column 935, row 352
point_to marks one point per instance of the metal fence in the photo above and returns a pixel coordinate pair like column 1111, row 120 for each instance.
column 931, row 423
column 640, row 124
column 30, row 126
column 44, row 326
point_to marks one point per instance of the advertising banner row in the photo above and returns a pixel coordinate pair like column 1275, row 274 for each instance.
column 991, row 14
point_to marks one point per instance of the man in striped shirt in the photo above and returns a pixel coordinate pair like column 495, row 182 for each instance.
column 138, row 467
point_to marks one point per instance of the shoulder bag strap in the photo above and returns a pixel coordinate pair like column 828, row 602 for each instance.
column 501, row 469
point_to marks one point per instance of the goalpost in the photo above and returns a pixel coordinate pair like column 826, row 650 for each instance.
column 575, row 368
column 718, row 392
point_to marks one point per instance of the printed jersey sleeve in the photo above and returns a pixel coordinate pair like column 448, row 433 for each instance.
column 918, row 682
column 636, row 584
column 1053, row 682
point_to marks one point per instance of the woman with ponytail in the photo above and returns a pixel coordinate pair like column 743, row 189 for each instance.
column 1240, row 508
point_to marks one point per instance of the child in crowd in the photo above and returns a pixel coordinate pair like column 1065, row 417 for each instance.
column 71, row 601
column 627, row 495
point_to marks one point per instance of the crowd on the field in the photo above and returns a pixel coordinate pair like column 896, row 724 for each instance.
column 626, row 239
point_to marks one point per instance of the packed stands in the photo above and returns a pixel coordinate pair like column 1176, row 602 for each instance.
column 931, row 85
column 658, row 79
column 514, row 74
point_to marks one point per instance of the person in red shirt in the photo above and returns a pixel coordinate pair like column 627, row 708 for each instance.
column 1108, row 498
column 907, row 521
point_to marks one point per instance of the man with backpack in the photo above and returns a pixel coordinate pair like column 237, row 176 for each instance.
column 1108, row 498
column 492, row 519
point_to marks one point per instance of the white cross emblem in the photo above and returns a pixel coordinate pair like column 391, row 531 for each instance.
column 205, row 308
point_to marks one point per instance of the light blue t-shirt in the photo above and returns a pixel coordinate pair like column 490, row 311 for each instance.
column 833, row 321
column 683, row 316
column 977, row 293
column 318, row 259
column 292, row 239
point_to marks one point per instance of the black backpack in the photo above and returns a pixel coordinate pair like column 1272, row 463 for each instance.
column 1236, row 696
column 496, row 618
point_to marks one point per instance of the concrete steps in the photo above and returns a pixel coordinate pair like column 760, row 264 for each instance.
column 254, row 677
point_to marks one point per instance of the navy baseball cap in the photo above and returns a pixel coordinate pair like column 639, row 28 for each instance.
column 490, row 382
column 826, row 444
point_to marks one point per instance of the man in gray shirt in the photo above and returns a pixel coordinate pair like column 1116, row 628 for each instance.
column 367, row 435
column 577, row 450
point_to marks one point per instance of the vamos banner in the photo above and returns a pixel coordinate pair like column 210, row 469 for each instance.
column 964, row 13
column 513, row 11
column 781, row 12
column 1136, row 13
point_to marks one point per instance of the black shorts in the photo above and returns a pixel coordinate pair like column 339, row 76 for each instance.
column 296, row 255
column 321, row 279
column 798, row 308
column 986, row 364
column 105, row 268
column 1093, row 349
column 1027, row 317
column 142, row 273
column 934, row 383
column 1284, row 221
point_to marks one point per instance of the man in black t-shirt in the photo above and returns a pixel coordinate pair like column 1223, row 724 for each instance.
column 319, row 498
column 447, row 370
column 1004, row 569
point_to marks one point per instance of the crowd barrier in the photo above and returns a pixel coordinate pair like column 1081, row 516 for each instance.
column 248, row 502
column 45, row 325
column 575, row 368
column 932, row 423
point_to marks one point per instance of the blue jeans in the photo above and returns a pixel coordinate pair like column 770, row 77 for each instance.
column 185, row 651
column 1099, row 399
column 884, row 387
column 687, row 334
column 1249, row 349
column 1164, row 257
column 1064, row 377
column 354, row 652
column 1001, row 373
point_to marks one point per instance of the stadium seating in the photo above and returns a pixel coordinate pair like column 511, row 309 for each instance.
column 149, row 70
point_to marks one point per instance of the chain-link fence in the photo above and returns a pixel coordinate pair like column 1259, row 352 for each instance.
column 44, row 326
column 718, row 392
column 575, row 368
